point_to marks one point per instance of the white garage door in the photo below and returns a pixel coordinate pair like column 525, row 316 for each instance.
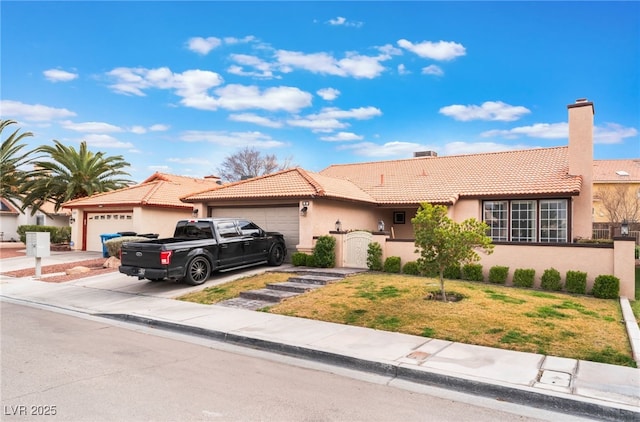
column 277, row 219
column 106, row 223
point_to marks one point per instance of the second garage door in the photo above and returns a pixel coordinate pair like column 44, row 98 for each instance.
column 279, row 219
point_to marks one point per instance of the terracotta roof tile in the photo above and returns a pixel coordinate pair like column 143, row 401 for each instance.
column 162, row 190
column 444, row 179
column 616, row 171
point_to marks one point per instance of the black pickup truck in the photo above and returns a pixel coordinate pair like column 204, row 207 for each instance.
column 201, row 246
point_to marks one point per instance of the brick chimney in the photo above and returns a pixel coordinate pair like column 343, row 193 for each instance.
column 581, row 164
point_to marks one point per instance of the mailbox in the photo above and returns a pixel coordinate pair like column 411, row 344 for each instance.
column 38, row 244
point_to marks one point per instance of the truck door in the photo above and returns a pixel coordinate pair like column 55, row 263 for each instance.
column 255, row 242
column 230, row 244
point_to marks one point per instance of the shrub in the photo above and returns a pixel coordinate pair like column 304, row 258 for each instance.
column 524, row 277
column 551, row 280
column 299, row 259
column 452, row 273
column 637, row 252
column 498, row 274
column 324, row 252
column 374, row 256
column 576, row 282
column 472, row 272
column 411, row 268
column 115, row 245
column 606, row 287
column 56, row 234
column 311, row 261
column 392, row 264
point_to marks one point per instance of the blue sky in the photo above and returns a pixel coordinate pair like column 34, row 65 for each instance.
column 178, row 86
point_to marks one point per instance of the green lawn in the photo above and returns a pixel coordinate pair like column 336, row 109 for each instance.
column 550, row 323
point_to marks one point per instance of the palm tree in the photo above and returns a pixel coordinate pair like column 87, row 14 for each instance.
column 68, row 174
column 12, row 158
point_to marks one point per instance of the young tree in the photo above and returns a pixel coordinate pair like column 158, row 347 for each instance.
column 65, row 173
column 442, row 242
column 620, row 202
column 12, row 158
column 249, row 162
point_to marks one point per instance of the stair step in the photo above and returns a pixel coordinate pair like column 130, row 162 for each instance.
column 242, row 303
column 314, row 279
column 290, row 286
column 268, row 295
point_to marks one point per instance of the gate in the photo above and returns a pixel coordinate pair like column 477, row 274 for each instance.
column 356, row 245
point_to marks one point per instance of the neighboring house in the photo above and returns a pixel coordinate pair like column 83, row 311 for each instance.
column 152, row 206
column 534, row 196
column 11, row 218
column 616, row 196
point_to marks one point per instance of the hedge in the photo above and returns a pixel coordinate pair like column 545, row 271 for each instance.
column 57, row 234
column 392, row 264
column 524, row 277
column 498, row 274
column 411, row 268
column 606, row 287
column 472, row 272
column 374, row 256
column 551, row 280
column 324, row 252
column 576, row 282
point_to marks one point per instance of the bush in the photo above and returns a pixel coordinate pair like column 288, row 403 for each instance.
column 56, row 234
column 311, row 261
column 324, row 253
column 452, row 273
column 299, row 259
column 374, row 256
column 524, row 277
column 606, row 287
column 637, row 252
column 498, row 274
column 551, row 280
column 392, row 264
column 472, row 272
column 576, row 282
column 411, row 268
column 115, row 245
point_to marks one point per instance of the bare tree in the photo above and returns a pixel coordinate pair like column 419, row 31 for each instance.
column 620, row 202
column 249, row 162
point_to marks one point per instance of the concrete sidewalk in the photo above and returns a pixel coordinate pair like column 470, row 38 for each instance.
column 581, row 388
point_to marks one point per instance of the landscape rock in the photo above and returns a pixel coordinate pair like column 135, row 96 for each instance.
column 77, row 270
column 112, row 262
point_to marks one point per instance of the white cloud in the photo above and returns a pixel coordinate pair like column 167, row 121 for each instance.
column 234, row 40
column 203, row 45
column 33, row 112
column 105, row 141
column 341, row 21
column 613, row 133
column 463, row 148
column 263, row 68
column 328, row 94
column 328, row 119
column 138, row 130
column 432, row 70
column 232, row 139
column 255, row 119
column 317, row 124
column 343, row 136
column 441, row 50
column 57, row 75
column 191, row 83
column 241, row 97
column 387, row 150
column 159, row 128
column 537, row 130
column 360, row 113
column 489, row 110
column 402, row 70
column 190, row 161
column 93, row 127
column 353, row 65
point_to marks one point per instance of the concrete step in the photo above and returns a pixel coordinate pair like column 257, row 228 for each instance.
column 290, row 286
column 322, row 280
column 269, row 295
column 242, row 303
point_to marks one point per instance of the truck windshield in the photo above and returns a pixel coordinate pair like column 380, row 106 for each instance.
column 193, row 230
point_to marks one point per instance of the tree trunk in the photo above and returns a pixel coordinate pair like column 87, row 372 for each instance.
column 444, row 295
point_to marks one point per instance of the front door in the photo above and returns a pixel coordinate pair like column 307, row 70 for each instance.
column 230, row 244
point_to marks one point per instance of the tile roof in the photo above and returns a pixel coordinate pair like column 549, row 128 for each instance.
column 540, row 171
column 290, row 183
column 616, row 171
column 160, row 190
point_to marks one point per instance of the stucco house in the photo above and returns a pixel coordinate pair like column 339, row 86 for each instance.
column 152, row 206
column 11, row 218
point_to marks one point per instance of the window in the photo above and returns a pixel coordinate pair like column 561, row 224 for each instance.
column 523, row 221
column 248, row 228
column 495, row 214
column 227, row 229
column 553, row 221
column 527, row 220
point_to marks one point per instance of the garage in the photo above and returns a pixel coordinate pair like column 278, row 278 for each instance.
column 283, row 219
column 106, row 222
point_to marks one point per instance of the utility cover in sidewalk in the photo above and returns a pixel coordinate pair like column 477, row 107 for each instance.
column 561, row 379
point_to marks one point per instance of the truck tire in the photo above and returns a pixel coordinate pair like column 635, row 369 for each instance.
column 276, row 255
column 198, row 271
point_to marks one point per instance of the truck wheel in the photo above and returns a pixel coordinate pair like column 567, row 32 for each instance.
column 198, row 271
column 276, row 256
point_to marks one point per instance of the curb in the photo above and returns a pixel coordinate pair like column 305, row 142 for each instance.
column 556, row 402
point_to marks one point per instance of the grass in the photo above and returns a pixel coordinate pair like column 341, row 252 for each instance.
column 557, row 324
column 635, row 305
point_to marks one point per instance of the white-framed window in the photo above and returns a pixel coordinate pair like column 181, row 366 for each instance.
column 544, row 220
